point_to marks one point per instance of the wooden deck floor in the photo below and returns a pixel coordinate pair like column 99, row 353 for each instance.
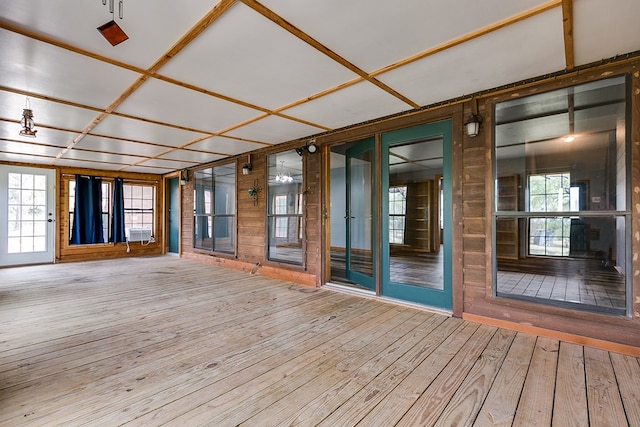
column 155, row 341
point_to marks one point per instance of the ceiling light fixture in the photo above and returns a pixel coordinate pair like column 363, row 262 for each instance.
column 27, row 121
column 282, row 175
column 570, row 137
column 112, row 31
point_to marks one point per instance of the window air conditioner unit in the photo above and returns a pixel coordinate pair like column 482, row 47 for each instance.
column 138, row 234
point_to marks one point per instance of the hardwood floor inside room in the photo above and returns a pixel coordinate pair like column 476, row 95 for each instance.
column 167, row 341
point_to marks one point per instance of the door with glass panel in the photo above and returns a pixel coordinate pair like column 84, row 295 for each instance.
column 359, row 219
column 26, row 215
column 416, row 208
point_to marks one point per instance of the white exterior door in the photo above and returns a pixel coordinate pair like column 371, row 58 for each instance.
column 27, row 219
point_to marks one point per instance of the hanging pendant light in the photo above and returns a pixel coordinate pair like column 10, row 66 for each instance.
column 282, row 176
column 27, row 121
column 112, row 31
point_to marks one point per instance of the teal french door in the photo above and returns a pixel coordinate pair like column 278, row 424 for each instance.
column 173, row 214
column 416, row 225
column 359, row 214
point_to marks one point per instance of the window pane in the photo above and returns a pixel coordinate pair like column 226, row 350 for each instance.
column 579, row 259
column 214, row 208
column 224, row 232
column 285, row 198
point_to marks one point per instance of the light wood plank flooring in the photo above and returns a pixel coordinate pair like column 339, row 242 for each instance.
column 166, row 341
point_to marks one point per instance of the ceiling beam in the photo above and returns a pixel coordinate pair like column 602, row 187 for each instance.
column 567, row 24
column 472, row 35
column 462, row 39
column 267, row 13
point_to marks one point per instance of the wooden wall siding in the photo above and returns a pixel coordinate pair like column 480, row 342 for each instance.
column 251, row 224
column 477, row 186
column 635, row 194
column 472, row 228
column 66, row 252
column 313, row 216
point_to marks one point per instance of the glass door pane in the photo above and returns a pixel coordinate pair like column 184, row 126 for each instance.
column 416, row 205
column 26, row 215
column 359, row 215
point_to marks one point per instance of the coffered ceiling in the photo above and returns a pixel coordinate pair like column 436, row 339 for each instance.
column 202, row 80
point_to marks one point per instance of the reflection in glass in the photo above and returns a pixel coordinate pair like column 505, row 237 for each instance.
column 359, row 216
column 284, row 210
column 415, row 172
column 214, row 208
column 561, row 197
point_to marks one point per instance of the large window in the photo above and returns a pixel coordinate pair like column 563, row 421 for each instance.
column 285, row 198
column 561, row 210
column 139, row 205
column 215, row 209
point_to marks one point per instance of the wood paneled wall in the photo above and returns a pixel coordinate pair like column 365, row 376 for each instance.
column 66, row 252
column 479, row 304
column 251, row 222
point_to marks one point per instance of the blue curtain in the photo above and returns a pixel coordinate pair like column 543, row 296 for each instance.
column 117, row 223
column 87, row 213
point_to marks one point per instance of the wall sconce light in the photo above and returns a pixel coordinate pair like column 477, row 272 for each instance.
column 247, row 166
column 27, row 121
column 310, row 148
column 472, row 125
column 184, row 176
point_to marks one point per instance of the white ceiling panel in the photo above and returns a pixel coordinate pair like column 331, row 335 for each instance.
column 227, row 146
column 603, row 29
column 45, row 69
column 138, row 130
column 373, row 36
column 191, row 156
column 26, row 148
column 169, row 103
column 254, row 60
column 266, row 66
column 75, row 22
column 76, row 163
column 143, row 169
column 43, row 135
column 527, row 49
column 273, row 129
column 109, row 145
column 101, row 157
column 167, row 164
column 354, row 104
column 24, row 158
column 45, row 113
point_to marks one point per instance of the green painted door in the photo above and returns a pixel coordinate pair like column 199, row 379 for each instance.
column 416, row 214
column 173, row 203
column 360, row 223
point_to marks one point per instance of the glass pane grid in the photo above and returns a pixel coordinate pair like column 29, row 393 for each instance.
column 560, row 219
column 214, row 209
column 27, row 213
